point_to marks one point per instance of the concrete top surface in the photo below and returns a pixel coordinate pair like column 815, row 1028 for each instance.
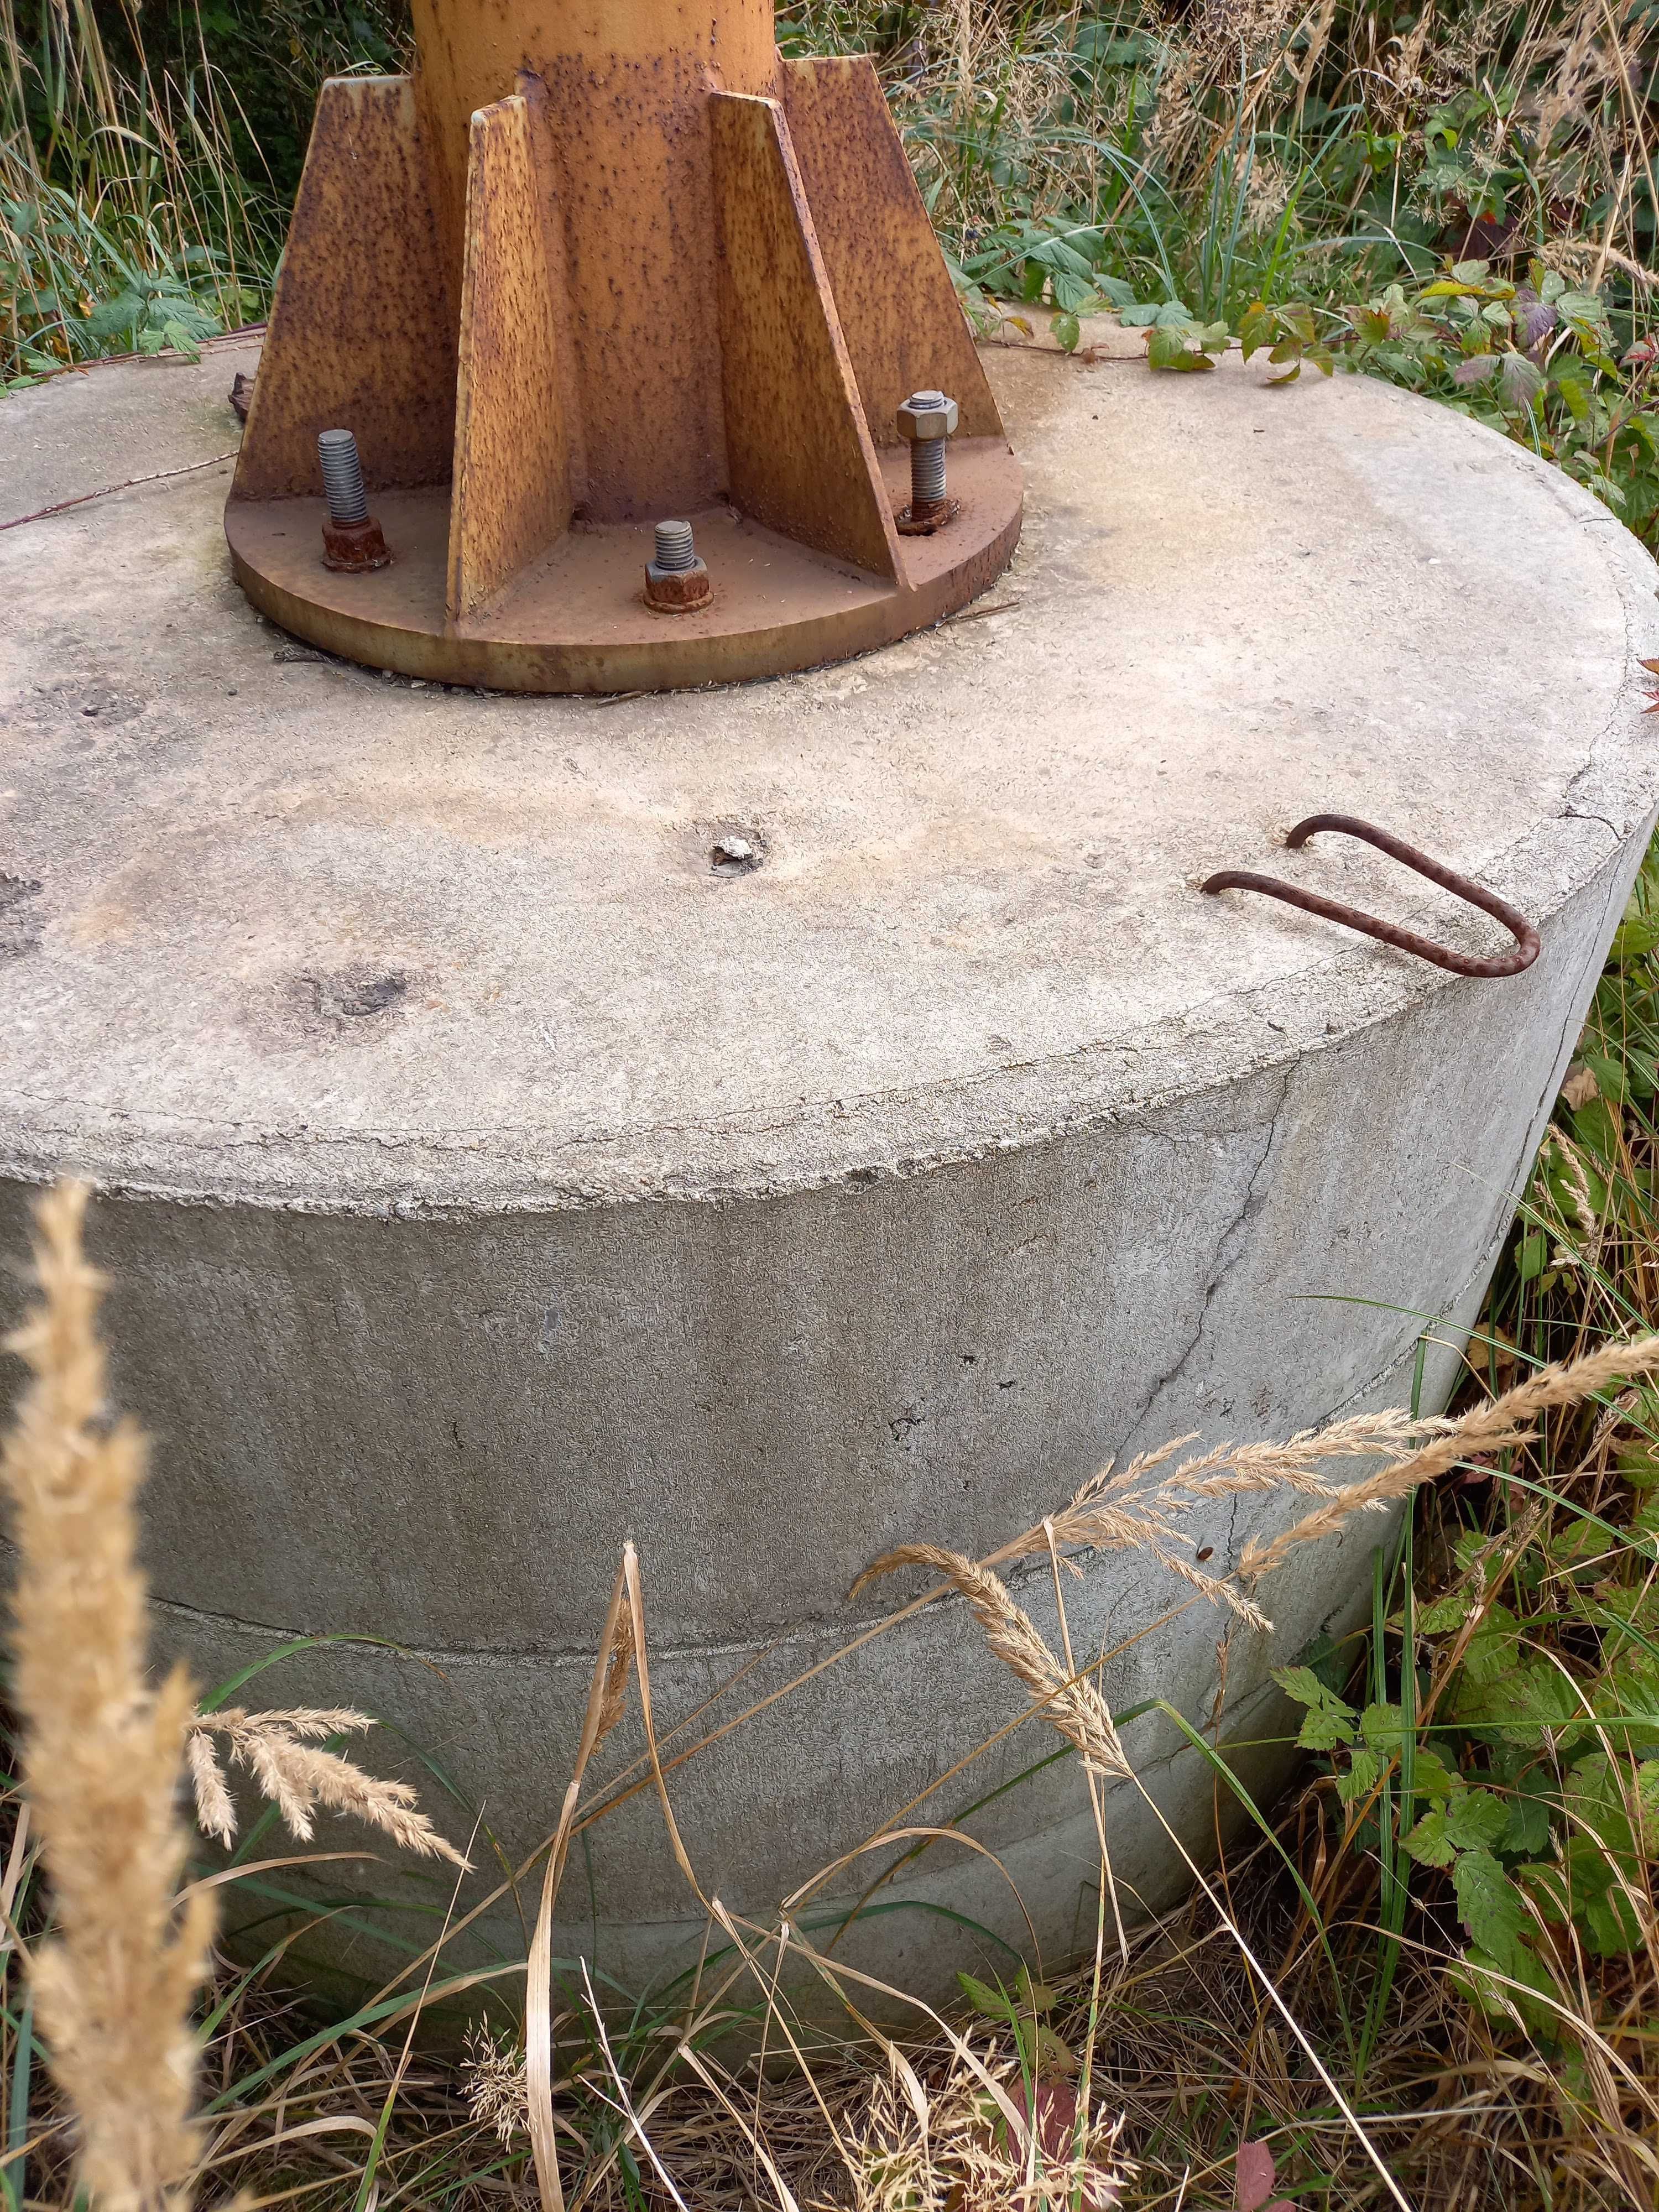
column 275, row 927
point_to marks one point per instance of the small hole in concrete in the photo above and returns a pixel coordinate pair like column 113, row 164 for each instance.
column 371, row 995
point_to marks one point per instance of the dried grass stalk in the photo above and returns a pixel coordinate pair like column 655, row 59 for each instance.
column 1506, row 1421
column 962, row 2157
column 1125, row 1511
column 278, row 1749
column 1075, row 1706
column 102, row 1752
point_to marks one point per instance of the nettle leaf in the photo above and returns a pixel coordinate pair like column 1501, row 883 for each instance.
column 1646, row 1807
column 1596, row 1128
column 1525, row 1705
column 1546, row 1884
column 1597, row 1799
column 1467, row 1549
column 1491, row 1905
column 1119, row 294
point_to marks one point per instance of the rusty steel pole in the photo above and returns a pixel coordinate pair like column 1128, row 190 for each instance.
column 595, row 266
column 620, row 98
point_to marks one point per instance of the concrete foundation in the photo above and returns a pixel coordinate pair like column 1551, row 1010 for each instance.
column 491, row 1176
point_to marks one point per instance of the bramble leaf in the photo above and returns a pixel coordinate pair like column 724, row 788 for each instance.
column 1476, row 1819
column 1429, row 1842
column 1330, row 1720
column 1491, row 1905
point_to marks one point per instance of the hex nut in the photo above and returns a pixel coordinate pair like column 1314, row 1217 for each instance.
column 352, row 547
column 927, row 414
column 678, row 590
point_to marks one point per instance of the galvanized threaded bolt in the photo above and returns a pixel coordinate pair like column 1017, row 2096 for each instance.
column 343, row 477
column 927, row 472
column 926, row 420
column 675, row 551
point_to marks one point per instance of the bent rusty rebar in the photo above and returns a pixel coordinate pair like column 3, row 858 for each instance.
column 1388, row 932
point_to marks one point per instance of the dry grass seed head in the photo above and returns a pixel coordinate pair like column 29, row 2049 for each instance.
column 966, row 2158
column 1075, row 1707
column 279, row 1750
column 102, row 1751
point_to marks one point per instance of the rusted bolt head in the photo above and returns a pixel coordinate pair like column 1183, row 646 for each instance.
column 352, row 547
column 678, row 590
column 927, row 414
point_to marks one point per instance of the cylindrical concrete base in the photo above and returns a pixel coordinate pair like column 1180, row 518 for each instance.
column 494, row 1174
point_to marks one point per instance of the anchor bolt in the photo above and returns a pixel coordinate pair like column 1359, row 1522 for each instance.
column 676, row 580
column 352, row 540
column 926, row 421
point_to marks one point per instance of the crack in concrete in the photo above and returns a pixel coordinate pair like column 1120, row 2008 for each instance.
column 1228, row 1249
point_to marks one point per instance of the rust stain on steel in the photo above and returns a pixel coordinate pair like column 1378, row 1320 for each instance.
column 623, row 151
column 545, row 170
column 362, row 328
column 512, row 487
column 801, row 458
column 677, row 591
column 902, row 322
column 1388, row 932
column 354, row 547
column 576, row 619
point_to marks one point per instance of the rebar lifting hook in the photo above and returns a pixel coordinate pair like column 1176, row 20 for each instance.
column 1388, row 932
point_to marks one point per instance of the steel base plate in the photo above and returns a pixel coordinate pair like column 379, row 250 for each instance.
column 577, row 620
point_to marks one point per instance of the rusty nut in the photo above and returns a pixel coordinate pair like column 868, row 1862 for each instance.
column 352, row 547
column 678, row 590
column 926, row 414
